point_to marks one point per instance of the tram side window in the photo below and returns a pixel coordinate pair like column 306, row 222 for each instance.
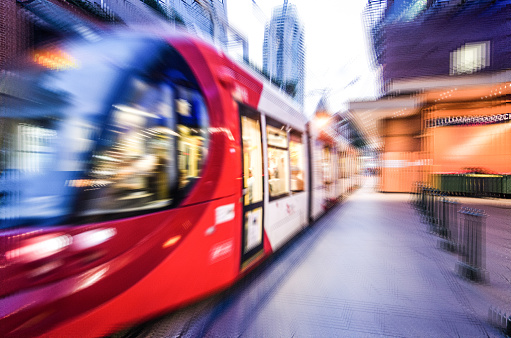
column 133, row 165
column 327, row 166
column 278, row 160
column 296, row 153
column 252, row 160
column 192, row 124
column 153, row 146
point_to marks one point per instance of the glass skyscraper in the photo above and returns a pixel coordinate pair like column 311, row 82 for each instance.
column 284, row 51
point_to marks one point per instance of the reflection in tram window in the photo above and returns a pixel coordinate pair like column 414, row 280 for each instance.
column 191, row 154
column 153, row 146
column 192, row 123
column 278, row 161
column 252, row 160
column 296, row 153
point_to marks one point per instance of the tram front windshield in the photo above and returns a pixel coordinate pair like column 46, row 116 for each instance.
column 95, row 139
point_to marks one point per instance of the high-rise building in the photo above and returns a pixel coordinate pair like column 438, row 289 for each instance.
column 284, row 51
column 444, row 116
column 415, row 38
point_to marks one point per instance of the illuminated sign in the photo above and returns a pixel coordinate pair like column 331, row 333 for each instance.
column 468, row 120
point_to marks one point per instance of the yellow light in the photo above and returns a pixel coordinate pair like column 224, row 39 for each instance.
column 171, row 241
column 54, row 59
column 321, row 121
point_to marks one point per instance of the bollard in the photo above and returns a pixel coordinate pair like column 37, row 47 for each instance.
column 431, row 208
column 421, row 201
column 448, row 230
column 443, row 221
column 416, row 196
column 453, row 224
column 442, row 216
column 436, row 212
column 420, row 189
column 435, row 218
column 428, row 204
column 424, row 204
column 472, row 245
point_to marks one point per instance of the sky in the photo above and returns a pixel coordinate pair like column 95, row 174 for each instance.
column 337, row 55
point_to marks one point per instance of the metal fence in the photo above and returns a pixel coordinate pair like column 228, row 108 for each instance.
column 475, row 185
column 500, row 319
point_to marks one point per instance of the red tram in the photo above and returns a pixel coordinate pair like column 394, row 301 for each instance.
column 139, row 174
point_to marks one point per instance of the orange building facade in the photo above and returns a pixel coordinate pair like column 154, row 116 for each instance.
column 462, row 130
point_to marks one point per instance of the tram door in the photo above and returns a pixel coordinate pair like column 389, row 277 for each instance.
column 252, row 228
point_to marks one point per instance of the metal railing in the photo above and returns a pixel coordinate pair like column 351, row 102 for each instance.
column 500, row 319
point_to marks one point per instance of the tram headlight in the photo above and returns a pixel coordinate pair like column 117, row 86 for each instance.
column 40, row 247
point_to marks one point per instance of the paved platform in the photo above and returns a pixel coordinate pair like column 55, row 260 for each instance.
column 368, row 268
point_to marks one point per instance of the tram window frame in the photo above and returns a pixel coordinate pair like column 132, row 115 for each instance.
column 189, row 141
column 276, row 171
column 296, row 137
column 180, row 125
column 253, row 175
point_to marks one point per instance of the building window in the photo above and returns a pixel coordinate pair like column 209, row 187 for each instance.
column 278, row 160
column 470, row 58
